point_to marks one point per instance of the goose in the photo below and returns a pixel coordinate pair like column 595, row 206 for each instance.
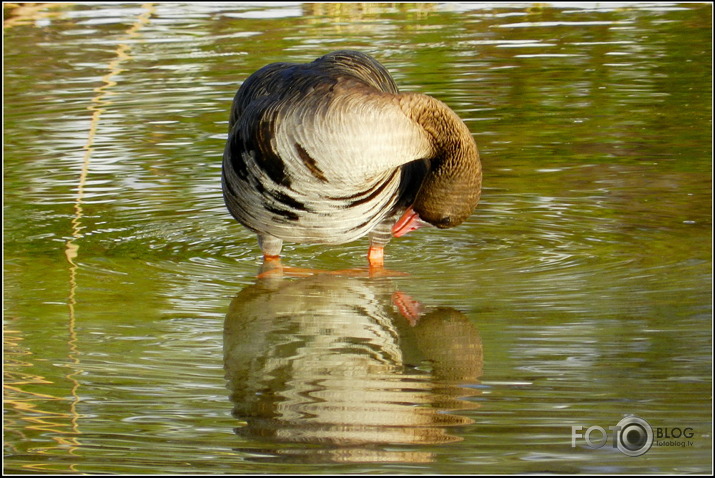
column 329, row 151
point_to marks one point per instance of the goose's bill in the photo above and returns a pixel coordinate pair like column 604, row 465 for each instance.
column 410, row 221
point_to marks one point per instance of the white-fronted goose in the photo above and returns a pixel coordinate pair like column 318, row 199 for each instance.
column 328, row 151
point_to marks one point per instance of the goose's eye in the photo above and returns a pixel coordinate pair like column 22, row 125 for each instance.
column 444, row 222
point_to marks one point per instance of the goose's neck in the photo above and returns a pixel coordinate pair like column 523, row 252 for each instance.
column 453, row 183
column 447, row 132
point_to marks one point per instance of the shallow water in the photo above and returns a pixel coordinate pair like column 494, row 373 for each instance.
column 137, row 338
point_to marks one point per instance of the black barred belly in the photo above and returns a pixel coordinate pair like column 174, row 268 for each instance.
column 311, row 212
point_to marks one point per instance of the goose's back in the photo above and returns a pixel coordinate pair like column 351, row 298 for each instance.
column 281, row 82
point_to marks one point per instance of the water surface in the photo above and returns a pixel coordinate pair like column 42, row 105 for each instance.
column 137, row 338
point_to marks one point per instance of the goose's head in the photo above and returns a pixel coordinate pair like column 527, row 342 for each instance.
column 449, row 193
column 452, row 184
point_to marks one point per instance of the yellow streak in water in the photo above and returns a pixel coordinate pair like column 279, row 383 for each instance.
column 97, row 107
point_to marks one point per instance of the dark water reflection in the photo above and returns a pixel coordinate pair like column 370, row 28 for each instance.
column 337, row 362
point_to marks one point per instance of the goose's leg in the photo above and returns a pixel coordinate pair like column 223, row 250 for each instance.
column 272, row 267
column 379, row 237
column 270, row 245
column 376, row 257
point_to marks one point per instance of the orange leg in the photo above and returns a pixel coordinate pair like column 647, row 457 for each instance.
column 376, row 257
column 376, row 263
column 272, row 267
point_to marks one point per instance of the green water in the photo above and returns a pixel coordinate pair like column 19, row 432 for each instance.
column 137, row 338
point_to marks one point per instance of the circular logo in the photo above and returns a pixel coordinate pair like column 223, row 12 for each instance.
column 634, row 436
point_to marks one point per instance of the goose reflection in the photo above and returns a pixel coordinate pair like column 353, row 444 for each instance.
column 348, row 364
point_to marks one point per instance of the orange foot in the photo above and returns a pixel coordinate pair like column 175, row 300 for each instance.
column 272, row 267
column 376, row 263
